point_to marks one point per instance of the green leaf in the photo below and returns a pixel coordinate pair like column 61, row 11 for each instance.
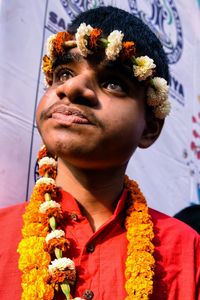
column 52, row 222
column 65, row 289
column 58, row 253
column 47, row 197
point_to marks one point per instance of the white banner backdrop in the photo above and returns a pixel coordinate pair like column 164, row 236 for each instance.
column 169, row 171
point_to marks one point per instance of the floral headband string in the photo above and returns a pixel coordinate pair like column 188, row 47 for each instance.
column 89, row 39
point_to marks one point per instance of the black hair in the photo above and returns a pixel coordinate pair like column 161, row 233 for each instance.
column 191, row 216
column 109, row 18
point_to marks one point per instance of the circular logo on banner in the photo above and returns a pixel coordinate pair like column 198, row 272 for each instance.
column 163, row 19
column 75, row 7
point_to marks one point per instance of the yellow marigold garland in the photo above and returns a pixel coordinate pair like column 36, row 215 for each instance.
column 44, row 270
column 41, row 260
column 140, row 261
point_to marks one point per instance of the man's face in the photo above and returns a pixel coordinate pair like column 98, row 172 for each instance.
column 93, row 116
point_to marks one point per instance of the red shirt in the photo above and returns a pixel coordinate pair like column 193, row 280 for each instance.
column 100, row 256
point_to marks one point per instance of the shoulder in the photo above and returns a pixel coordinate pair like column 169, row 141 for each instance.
column 169, row 224
column 12, row 210
column 174, row 235
column 11, row 222
column 177, row 254
column 11, row 219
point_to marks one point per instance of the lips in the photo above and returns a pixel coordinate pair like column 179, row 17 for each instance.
column 67, row 116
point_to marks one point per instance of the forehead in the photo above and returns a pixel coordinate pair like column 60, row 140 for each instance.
column 96, row 61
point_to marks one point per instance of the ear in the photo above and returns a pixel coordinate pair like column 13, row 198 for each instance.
column 151, row 132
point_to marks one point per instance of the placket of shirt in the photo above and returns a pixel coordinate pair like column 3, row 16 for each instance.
column 88, row 248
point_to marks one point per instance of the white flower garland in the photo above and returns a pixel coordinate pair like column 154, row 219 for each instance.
column 48, row 204
column 61, row 264
column 47, row 161
column 54, row 234
column 45, row 180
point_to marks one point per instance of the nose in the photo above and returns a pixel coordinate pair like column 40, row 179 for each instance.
column 79, row 89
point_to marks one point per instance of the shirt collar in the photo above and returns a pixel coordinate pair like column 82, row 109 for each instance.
column 70, row 205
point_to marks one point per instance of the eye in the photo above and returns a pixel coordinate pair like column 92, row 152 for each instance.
column 62, row 74
column 114, row 86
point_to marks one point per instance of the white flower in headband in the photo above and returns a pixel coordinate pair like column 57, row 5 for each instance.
column 162, row 110
column 143, row 67
column 82, row 34
column 50, row 46
column 114, row 44
column 157, row 95
column 157, row 92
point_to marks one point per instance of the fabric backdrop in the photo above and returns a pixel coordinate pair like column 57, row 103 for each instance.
column 169, row 171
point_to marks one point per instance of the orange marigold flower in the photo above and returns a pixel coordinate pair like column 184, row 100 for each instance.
column 140, row 261
column 47, row 66
column 60, row 276
column 139, row 206
column 50, row 170
column 35, row 229
column 58, row 42
column 62, row 243
column 32, row 254
column 47, row 188
column 128, row 50
column 51, row 212
column 31, row 215
column 93, row 38
column 35, row 286
column 30, row 218
column 36, row 199
column 31, row 276
column 43, row 151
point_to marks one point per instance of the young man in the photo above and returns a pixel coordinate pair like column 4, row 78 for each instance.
column 87, row 231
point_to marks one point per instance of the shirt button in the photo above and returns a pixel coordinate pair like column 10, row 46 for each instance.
column 74, row 216
column 90, row 248
column 88, row 294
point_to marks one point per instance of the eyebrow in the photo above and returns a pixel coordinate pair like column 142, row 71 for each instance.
column 117, row 66
column 69, row 58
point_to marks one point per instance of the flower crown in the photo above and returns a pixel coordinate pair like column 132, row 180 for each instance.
column 89, row 39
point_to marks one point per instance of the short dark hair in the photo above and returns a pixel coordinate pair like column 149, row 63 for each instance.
column 109, row 18
column 191, row 216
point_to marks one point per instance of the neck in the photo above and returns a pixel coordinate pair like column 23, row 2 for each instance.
column 96, row 191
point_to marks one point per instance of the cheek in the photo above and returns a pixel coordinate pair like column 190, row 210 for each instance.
column 125, row 127
column 46, row 101
column 40, row 108
column 127, row 120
